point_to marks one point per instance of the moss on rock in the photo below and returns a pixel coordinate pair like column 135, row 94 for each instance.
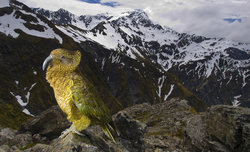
column 11, row 116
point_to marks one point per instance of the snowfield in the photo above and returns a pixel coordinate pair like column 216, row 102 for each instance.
column 9, row 25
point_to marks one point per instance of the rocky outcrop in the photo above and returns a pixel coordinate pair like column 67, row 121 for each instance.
column 49, row 123
column 168, row 126
column 221, row 128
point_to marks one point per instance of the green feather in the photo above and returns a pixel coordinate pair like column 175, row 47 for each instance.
column 88, row 101
column 106, row 129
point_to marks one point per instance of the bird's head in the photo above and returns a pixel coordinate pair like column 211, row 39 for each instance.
column 62, row 60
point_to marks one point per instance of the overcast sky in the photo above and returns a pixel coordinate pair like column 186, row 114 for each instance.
column 211, row 18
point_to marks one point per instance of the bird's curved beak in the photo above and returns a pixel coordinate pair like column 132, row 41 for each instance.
column 47, row 61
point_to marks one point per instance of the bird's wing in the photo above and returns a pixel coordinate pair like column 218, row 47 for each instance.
column 87, row 100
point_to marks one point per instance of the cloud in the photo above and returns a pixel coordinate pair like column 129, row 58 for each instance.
column 201, row 17
column 208, row 20
column 76, row 6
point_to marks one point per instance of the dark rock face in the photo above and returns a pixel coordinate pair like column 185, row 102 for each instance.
column 49, row 123
column 229, row 127
column 168, row 126
column 136, row 81
column 131, row 130
column 59, row 17
column 237, row 54
column 220, row 128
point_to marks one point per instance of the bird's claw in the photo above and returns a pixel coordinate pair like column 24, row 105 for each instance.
column 67, row 131
column 71, row 129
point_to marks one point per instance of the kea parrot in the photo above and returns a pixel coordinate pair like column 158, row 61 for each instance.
column 75, row 94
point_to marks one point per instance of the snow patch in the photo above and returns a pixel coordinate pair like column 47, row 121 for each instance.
column 131, row 54
column 115, row 58
column 22, row 103
column 110, row 40
column 28, row 93
column 26, row 111
column 169, row 93
column 19, row 99
column 244, row 76
column 126, row 30
column 209, row 65
column 103, row 63
column 236, row 102
column 17, row 82
column 160, row 84
column 229, row 79
column 77, row 35
column 117, row 16
column 9, row 24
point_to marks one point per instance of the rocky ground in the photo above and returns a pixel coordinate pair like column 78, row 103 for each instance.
column 169, row 126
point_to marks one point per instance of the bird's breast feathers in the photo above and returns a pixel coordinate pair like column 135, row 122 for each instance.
column 63, row 96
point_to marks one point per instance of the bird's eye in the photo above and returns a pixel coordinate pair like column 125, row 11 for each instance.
column 62, row 57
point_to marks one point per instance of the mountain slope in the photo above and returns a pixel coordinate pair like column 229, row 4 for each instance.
column 23, row 84
column 120, row 80
column 217, row 70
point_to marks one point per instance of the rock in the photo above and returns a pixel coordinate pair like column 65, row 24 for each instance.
column 39, row 139
column 73, row 143
column 165, row 124
column 168, row 126
column 6, row 136
column 130, row 129
column 49, row 123
column 39, row 148
column 12, row 139
column 220, row 128
column 229, row 126
column 4, row 148
column 22, row 140
column 195, row 133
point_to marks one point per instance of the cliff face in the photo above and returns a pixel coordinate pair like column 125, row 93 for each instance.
column 169, row 126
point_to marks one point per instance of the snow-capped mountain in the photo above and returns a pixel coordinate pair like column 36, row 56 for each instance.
column 27, row 38
column 13, row 22
column 216, row 69
column 24, row 38
column 63, row 17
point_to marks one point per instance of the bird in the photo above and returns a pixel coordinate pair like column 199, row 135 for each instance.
column 74, row 93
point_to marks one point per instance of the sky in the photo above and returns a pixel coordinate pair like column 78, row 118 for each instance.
column 210, row 18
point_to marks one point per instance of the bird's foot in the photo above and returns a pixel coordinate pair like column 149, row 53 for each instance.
column 66, row 132
column 71, row 129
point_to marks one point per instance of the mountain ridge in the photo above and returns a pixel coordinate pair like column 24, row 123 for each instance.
column 187, row 56
column 121, row 81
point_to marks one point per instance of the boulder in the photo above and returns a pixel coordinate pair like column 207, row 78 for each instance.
column 49, row 123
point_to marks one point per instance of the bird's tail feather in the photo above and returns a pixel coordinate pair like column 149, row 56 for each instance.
column 107, row 130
